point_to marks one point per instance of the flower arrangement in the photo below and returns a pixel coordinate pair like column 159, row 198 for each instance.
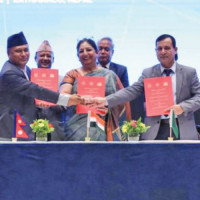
column 134, row 128
column 42, row 127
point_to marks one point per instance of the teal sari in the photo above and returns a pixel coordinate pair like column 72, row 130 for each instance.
column 75, row 125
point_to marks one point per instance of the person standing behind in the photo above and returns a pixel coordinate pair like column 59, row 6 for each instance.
column 44, row 58
column 17, row 92
column 105, row 52
column 186, row 89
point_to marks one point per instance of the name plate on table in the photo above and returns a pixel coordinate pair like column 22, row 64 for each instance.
column 47, row 78
column 158, row 95
column 90, row 86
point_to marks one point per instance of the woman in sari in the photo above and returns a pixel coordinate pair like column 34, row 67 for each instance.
column 75, row 127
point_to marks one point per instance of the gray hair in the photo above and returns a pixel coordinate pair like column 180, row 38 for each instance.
column 109, row 39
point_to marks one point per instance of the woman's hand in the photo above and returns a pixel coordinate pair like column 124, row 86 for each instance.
column 75, row 99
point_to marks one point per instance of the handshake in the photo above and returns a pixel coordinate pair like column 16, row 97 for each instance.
column 99, row 102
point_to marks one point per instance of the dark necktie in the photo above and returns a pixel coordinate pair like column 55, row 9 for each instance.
column 167, row 71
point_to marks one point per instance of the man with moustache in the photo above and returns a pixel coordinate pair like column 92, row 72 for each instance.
column 186, row 90
column 44, row 58
column 105, row 52
column 18, row 93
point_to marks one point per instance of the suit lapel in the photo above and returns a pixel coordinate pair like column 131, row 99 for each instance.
column 156, row 71
column 111, row 67
column 28, row 71
column 179, row 78
column 179, row 81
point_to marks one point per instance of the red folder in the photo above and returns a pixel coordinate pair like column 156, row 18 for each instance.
column 158, row 95
column 47, row 78
column 90, row 86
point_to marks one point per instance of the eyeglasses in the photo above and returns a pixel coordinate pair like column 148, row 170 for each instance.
column 167, row 48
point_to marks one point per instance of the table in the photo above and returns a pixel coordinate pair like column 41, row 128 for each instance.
column 100, row 170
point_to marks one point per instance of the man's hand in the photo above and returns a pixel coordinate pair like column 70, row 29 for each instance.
column 87, row 100
column 178, row 110
column 99, row 102
column 75, row 99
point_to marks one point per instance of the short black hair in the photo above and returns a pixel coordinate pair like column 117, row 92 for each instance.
column 89, row 41
column 164, row 36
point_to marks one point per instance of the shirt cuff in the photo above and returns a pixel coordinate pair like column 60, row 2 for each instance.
column 63, row 99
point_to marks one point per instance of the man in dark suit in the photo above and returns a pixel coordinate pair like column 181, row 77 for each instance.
column 186, row 89
column 17, row 92
column 105, row 52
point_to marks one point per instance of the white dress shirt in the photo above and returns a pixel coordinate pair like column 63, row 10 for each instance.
column 173, row 76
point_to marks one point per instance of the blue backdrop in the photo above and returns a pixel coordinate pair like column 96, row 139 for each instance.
column 99, row 171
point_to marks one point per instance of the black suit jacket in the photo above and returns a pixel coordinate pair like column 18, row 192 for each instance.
column 16, row 92
column 122, row 73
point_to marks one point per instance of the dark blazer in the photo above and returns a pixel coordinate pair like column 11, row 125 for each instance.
column 122, row 73
column 56, row 116
column 16, row 92
column 187, row 96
